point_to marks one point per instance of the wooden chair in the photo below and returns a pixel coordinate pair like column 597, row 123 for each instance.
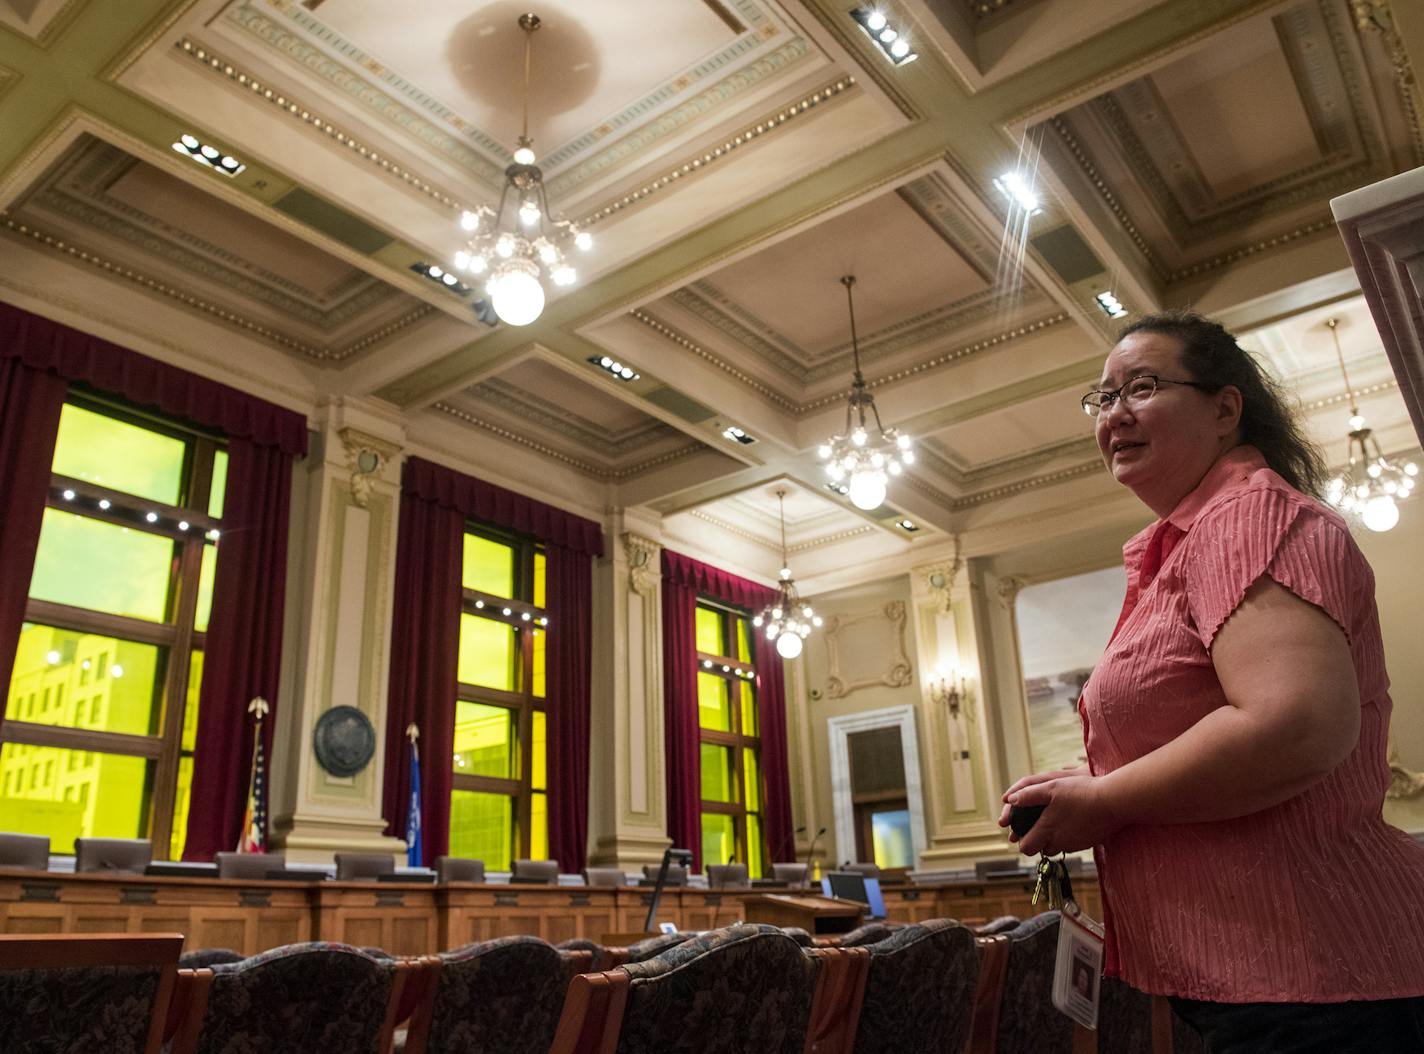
column 1028, row 1022
column 505, row 995
column 296, row 999
column 919, row 996
column 76, row 992
column 837, row 1002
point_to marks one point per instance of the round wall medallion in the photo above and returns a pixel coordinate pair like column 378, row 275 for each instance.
column 344, row 740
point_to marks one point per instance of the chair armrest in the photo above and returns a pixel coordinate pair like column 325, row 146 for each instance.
column 593, row 1014
column 417, row 1003
column 988, row 994
column 185, row 1014
column 837, row 999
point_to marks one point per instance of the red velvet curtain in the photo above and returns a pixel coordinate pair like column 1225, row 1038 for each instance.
column 570, row 591
column 684, row 580
column 428, row 581
column 244, row 653
column 245, row 627
column 425, row 644
column 30, row 401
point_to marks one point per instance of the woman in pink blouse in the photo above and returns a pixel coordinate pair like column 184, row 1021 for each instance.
column 1236, row 725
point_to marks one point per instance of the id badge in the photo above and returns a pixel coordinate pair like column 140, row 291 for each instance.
column 1078, row 970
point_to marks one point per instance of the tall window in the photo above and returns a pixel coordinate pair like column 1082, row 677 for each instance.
column 102, row 708
column 499, row 798
column 731, row 754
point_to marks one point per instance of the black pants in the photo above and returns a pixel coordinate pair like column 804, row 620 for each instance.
column 1385, row 1026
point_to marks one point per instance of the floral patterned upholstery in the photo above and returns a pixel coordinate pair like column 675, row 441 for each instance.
column 919, row 996
column 105, row 1008
column 870, row 933
column 583, row 944
column 1028, row 1020
column 1124, row 1018
column 800, row 936
column 498, row 997
column 196, row 960
column 1002, row 924
column 300, row 998
column 654, row 946
column 745, row 988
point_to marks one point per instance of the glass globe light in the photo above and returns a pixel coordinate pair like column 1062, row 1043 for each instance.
column 867, row 490
column 876, row 21
column 524, row 156
column 1380, row 513
column 517, row 296
column 584, row 241
column 788, row 645
column 529, row 214
column 469, row 220
column 1356, row 422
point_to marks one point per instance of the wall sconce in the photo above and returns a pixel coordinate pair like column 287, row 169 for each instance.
column 949, row 690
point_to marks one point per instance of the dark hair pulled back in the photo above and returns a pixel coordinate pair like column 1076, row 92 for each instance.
column 1213, row 358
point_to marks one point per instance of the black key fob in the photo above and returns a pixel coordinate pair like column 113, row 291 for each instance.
column 1023, row 817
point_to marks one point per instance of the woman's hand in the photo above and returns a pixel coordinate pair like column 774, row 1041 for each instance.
column 1077, row 814
column 1029, row 781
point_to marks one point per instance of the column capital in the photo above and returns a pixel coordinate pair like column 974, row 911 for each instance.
column 938, row 577
column 1009, row 590
column 644, row 563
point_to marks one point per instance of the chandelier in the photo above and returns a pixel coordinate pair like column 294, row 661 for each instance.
column 788, row 619
column 862, row 459
column 519, row 241
column 1370, row 483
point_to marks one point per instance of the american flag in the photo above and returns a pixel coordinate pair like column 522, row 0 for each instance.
column 253, row 837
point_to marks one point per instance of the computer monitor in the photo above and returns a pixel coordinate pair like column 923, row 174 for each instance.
column 852, row 885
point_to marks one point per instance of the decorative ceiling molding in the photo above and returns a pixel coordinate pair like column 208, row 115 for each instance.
column 753, row 130
column 8, row 79
column 772, row 544
column 553, row 417
column 830, row 539
column 660, row 327
column 969, row 501
column 303, row 113
column 588, row 468
column 1375, row 17
column 965, row 477
column 267, row 333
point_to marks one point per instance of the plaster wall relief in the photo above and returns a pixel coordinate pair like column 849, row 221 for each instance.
column 344, row 573
column 874, row 654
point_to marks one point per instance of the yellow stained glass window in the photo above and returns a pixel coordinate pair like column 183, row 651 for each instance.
column 540, row 659
column 540, row 579
column 539, row 827
column 487, row 653
column 83, row 680
column 538, row 752
column 482, row 828
column 68, row 794
column 719, row 842
column 181, row 798
column 206, row 572
column 484, row 741
column 115, row 454
column 190, row 709
column 751, row 772
column 709, row 632
column 755, row 864
column 744, row 640
column 91, row 564
column 487, row 566
column 714, row 704
column 890, row 833
column 717, row 781
column 218, row 493
column 749, row 709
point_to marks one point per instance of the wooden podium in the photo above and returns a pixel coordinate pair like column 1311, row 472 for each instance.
column 811, row 912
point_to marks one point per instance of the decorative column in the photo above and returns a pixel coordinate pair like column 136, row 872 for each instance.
column 335, row 658
column 959, row 704
column 627, row 790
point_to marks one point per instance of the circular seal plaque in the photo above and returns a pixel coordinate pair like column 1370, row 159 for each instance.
column 344, row 740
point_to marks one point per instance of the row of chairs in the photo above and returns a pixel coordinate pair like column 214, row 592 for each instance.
column 906, row 989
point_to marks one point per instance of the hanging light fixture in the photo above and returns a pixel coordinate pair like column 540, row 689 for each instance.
column 862, row 458
column 519, row 241
column 787, row 620
column 1371, row 484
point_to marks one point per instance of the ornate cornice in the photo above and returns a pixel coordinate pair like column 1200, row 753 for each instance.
column 644, row 564
column 772, row 544
column 1375, row 16
column 559, row 419
column 683, row 341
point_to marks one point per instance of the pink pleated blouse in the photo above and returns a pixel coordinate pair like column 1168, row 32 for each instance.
column 1316, row 899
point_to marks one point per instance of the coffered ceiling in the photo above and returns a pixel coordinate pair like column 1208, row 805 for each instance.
column 733, row 159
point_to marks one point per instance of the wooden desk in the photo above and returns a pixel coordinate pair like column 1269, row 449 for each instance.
column 413, row 919
column 812, row 912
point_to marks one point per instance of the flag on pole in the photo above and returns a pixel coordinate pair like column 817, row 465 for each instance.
column 414, row 844
column 253, row 837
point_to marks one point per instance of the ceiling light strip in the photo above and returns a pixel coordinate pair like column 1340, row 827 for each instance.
column 709, row 157
column 1359, row 393
column 304, row 114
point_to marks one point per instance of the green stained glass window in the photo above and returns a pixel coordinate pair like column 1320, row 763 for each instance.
column 484, row 741
column 118, row 455
column 718, row 783
column 749, row 709
column 488, row 566
column 95, row 565
column 205, row 588
column 181, row 799
column 83, row 680
column 719, row 839
column 487, row 653
column 68, row 794
column 709, row 632
column 482, row 828
column 190, row 710
column 755, row 861
column 714, row 702
column 744, row 639
column 218, row 493
column 538, row 753
column 751, row 773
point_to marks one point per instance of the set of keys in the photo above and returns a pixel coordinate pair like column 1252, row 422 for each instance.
column 1052, row 882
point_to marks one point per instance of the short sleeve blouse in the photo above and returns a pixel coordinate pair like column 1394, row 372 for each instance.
column 1315, row 899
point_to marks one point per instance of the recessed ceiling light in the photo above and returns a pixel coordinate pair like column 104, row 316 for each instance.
column 907, row 525
column 1019, row 191
column 189, row 146
column 440, row 277
column 1111, row 305
column 621, row 370
column 890, row 39
column 838, row 488
column 735, row 434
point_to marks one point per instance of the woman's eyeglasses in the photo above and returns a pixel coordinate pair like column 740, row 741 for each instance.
column 1135, row 393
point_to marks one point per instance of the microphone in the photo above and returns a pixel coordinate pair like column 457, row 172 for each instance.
column 788, row 843
column 811, row 852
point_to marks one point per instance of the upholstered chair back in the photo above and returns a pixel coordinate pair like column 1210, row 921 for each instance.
column 870, row 933
column 676, row 875
column 546, row 871
column 868, row 870
column 112, row 854
column 605, row 876
column 792, row 874
column 299, row 999
column 652, row 947
column 502, row 996
column 363, row 867
column 458, row 869
column 1028, row 1020
column 204, row 957
column 728, row 876
column 1002, row 924
column 249, row 865
column 1124, row 1018
column 919, row 996
column 27, row 851
column 745, row 988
